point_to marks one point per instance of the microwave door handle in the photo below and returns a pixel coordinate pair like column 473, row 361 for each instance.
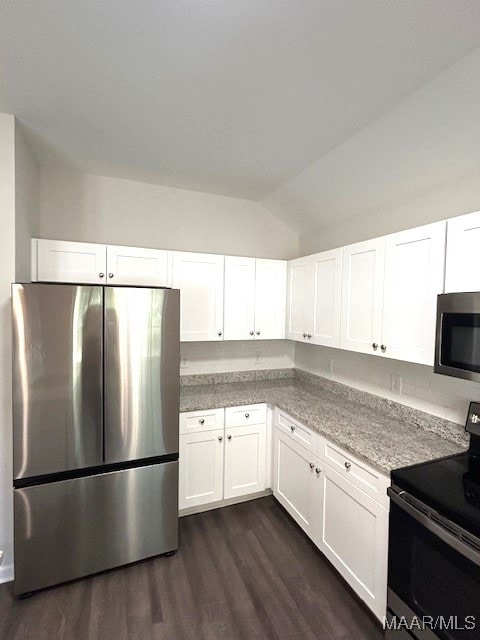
column 449, row 538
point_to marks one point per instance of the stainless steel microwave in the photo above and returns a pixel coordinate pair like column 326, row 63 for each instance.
column 457, row 344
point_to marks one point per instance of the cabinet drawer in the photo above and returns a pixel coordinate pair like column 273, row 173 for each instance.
column 245, row 414
column 196, row 421
column 358, row 473
column 303, row 435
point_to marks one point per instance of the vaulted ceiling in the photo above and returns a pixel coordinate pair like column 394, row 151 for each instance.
column 258, row 99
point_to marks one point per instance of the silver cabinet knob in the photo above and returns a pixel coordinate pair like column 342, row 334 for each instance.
column 348, row 465
column 219, row 333
column 202, row 421
column 220, row 438
column 375, row 346
column 110, row 275
column 383, row 347
column 247, row 415
column 101, row 274
column 309, row 335
column 304, row 335
column 318, row 471
column 312, row 464
column 292, row 428
column 258, row 333
column 229, row 437
column 252, row 333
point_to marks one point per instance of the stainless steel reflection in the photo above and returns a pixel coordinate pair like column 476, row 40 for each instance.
column 454, row 303
column 68, row 529
column 142, row 352
column 57, row 378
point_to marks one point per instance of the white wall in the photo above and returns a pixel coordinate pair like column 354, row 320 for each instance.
column 7, row 276
column 27, row 204
column 83, row 207
column 219, row 357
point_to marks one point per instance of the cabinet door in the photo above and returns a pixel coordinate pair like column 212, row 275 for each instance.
column 362, row 296
column 201, row 468
column 327, row 273
column 414, row 270
column 270, row 298
column 239, row 321
column 139, row 267
column 463, row 241
column 82, row 262
column 295, row 482
column 199, row 276
column 300, row 299
column 355, row 538
column 245, row 454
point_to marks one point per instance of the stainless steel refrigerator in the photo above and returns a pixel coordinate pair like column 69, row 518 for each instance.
column 95, row 423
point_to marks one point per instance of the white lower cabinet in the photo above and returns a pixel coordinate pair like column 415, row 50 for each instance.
column 222, row 463
column 201, row 468
column 245, row 450
column 354, row 537
column 331, row 505
column 296, row 481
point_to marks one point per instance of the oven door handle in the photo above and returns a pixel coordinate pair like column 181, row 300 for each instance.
column 456, row 537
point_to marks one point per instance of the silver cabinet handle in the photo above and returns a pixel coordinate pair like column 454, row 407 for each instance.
column 292, row 428
column 220, row 438
column 202, row 421
column 252, row 333
column 304, row 335
column 383, row 347
column 348, row 465
column 229, row 437
column 375, row 346
column 309, row 335
column 101, row 274
column 318, row 471
column 110, row 275
column 258, row 333
column 247, row 415
column 312, row 464
column 219, row 333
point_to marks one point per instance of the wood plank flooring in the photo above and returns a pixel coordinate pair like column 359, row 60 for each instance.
column 244, row 572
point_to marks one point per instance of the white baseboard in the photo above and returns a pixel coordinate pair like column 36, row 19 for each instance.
column 6, row 573
column 223, row 503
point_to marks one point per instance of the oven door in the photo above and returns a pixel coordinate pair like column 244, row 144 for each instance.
column 457, row 346
column 433, row 574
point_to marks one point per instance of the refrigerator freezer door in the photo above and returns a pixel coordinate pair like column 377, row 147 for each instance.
column 57, row 378
column 142, row 383
column 69, row 529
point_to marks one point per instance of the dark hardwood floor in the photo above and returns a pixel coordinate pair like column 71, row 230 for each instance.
column 244, row 572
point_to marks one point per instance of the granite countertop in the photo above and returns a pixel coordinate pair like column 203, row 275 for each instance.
column 373, row 433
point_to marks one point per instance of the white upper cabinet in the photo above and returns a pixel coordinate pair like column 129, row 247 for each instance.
column 463, row 242
column 270, row 298
column 414, row 268
column 254, row 298
column 138, row 267
column 239, row 298
column 61, row 261
column 362, row 296
column 300, row 299
column 200, row 278
column 327, row 290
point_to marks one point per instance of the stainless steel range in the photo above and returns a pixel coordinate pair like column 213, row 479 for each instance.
column 95, row 408
column 434, row 547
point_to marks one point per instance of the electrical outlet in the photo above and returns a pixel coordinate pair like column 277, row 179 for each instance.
column 258, row 358
column 1, row 557
column 396, row 383
column 183, row 363
column 329, row 365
